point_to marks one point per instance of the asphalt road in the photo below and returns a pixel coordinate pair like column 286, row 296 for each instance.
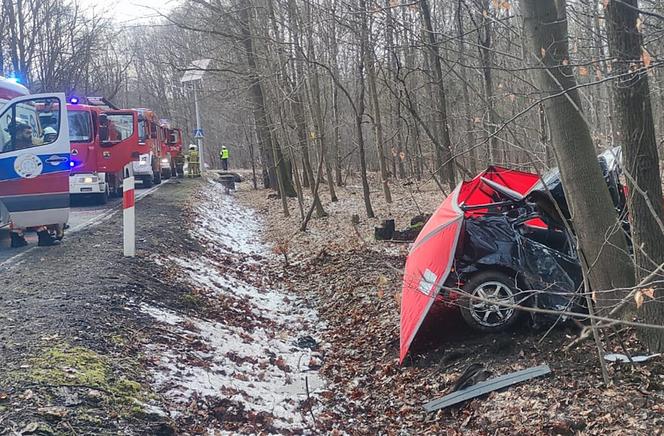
column 84, row 214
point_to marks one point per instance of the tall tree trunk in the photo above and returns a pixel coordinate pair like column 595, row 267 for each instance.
column 298, row 108
column 593, row 215
column 317, row 113
column 368, row 60
column 278, row 174
column 447, row 172
column 634, row 119
column 359, row 113
column 470, row 136
column 484, row 37
column 335, row 104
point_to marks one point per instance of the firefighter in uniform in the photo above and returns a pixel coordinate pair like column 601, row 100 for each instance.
column 179, row 164
column 194, row 162
column 223, row 155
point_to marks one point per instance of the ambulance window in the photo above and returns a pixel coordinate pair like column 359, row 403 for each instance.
column 80, row 126
column 20, row 126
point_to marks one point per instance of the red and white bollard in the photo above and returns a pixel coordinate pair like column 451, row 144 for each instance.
column 129, row 217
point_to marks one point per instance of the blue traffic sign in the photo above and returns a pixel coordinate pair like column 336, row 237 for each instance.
column 198, row 133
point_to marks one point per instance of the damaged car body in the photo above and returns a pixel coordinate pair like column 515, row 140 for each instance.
column 502, row 240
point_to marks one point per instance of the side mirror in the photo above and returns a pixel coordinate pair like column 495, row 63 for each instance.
column 103, row 133
column 103, row 128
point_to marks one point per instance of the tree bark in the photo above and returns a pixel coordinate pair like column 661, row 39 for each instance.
column 368, row 60
column 447, row 172
column 278, row 174
column 484, row 38
column 603, row 249
column 634, row 119
column 298, row 99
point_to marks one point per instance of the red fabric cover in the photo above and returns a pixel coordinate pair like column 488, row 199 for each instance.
column 427, row 267
column 432, row 254
column 475, row 191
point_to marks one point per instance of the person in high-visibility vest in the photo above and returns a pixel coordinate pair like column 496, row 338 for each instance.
column 194, row 162
column 223, row 154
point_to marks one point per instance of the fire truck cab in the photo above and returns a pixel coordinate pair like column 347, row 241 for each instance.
column 34, row 160
column 147, row 169
column 165, row 159
column 103, row 142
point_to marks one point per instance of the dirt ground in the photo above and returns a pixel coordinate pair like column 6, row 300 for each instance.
column 228, row 318
column 356, row 284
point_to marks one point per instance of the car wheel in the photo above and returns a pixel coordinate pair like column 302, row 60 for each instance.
column 485, row 303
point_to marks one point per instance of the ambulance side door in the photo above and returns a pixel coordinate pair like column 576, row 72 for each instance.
column 34, row 163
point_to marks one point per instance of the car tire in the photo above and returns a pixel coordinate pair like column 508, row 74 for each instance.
column 485, row 316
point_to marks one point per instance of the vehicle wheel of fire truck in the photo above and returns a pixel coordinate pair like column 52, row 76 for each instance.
column 486, row 304
column 157, row 178
column 103, row 197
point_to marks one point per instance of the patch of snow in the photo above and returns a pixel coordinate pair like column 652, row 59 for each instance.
column 222, row 220
column 258, row 364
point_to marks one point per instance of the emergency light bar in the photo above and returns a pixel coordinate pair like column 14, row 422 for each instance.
column 101, row 103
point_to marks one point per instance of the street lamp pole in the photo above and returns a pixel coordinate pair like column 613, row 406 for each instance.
column 199, row 141
column 195, row 74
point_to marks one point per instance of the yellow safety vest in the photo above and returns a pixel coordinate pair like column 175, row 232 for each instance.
column 224, row 153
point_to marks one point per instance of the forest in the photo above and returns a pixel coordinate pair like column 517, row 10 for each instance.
column 314, row 94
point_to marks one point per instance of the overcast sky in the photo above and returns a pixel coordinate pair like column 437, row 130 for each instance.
column 130, row 12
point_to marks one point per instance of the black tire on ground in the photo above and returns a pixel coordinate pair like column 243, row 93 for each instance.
column 485, row 316
column 147, row 182
column 103, row 197
column 166, row 173
column 157, row 178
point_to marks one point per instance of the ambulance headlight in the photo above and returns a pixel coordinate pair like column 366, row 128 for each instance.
column 164, row 161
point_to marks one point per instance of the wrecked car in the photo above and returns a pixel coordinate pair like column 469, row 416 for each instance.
column 498, row 241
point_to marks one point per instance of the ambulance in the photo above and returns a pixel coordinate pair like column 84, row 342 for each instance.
column 34, row 160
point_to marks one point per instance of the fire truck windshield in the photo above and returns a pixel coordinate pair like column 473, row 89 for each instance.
column 80, row 126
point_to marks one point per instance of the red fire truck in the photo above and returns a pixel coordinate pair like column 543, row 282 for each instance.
column 103, row 142
column 147, row 169
column 34, row 161
column 174, row 146
column 166, row 163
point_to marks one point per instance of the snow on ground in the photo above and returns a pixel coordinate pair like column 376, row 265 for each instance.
column 260, row 365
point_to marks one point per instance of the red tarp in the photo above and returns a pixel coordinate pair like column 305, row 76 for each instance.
column 432, row 254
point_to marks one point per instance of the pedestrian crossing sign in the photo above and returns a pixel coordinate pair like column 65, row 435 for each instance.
column 198, row 133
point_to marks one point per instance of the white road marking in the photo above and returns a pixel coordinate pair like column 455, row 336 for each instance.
column 96, row 220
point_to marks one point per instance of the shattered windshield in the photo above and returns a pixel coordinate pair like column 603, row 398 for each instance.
column 551, row 178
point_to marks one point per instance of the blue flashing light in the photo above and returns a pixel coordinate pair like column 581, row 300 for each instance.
column 13, row 79
column 73, row 100
column 72, row 164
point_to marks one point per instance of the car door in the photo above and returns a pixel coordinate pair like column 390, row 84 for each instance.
column 34, row 162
